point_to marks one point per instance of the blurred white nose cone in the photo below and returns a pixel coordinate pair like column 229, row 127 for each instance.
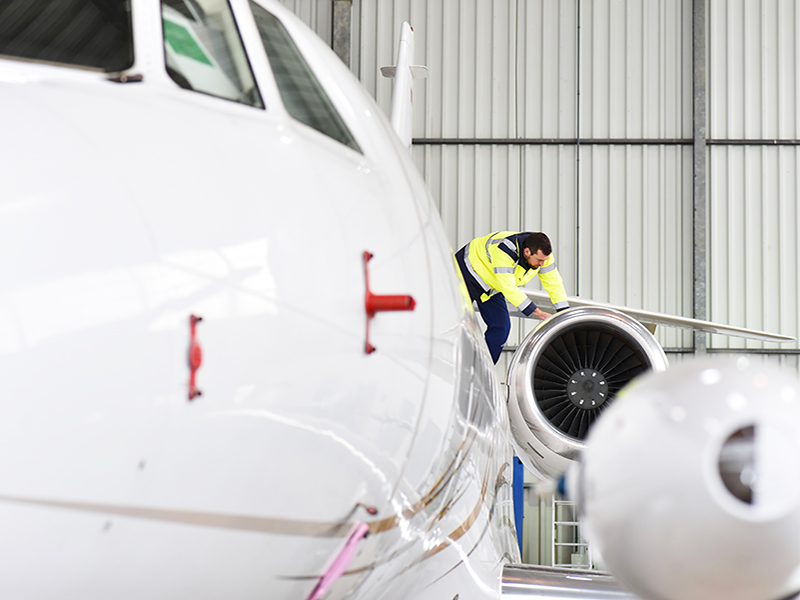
column 690, row 483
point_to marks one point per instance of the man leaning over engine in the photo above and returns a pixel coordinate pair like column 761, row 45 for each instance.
column 496, row 266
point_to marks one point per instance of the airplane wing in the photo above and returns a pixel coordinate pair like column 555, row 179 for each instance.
column 654, row 318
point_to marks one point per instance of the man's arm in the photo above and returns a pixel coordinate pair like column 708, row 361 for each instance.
column 505, row 282
column 553, row 284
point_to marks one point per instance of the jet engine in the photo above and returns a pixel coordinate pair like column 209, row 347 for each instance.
column 565, row 374
column 690, row 485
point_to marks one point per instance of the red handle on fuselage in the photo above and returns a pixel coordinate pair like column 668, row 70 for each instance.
column 375, row 303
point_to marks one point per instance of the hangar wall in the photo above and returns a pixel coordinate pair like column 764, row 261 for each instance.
column 754, row 126
column 576, row 118
column 317, row 14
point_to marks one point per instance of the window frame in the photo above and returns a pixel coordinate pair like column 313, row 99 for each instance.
column 241, row 27
column 342, row 132
column 264, row 73
column 131, row 39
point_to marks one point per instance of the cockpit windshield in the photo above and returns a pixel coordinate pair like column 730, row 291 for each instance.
column 204, row 51
column 86, row 33
column 302, row 94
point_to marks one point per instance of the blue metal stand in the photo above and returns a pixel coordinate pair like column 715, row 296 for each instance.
column 519, row 480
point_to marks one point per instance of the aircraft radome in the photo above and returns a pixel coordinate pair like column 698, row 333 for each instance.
column 205, row 178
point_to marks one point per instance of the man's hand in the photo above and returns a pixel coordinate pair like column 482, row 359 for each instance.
column 541, row 314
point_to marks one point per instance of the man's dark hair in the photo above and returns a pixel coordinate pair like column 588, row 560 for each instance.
column 538, row 241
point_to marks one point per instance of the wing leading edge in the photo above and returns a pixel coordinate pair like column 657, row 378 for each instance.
column 654, row 318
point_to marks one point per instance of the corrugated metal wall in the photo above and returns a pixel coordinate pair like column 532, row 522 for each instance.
column 515, row 80
column 754, row 100
column 317, row 14
column 505, row 71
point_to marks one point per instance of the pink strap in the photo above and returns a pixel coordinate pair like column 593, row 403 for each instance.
column 341, row 562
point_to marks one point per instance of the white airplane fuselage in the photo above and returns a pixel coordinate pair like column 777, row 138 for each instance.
column 126, row 208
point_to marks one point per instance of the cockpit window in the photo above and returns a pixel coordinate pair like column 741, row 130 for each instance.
column 204, row 51
column 87, row 33
column 302, row 94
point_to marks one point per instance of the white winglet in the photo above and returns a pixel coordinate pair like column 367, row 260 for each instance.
column 403, row 73
column 655, row 318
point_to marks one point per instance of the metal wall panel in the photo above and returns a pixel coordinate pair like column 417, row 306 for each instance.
column 636, row 69
column 754, row 69
column 753, row 185
column 468, row 47
column 754, row 279
column 317, row 14
column 789, row 362
column 508, row 70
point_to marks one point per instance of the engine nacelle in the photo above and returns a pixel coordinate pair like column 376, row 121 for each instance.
column 690, row 486
column 565, row 374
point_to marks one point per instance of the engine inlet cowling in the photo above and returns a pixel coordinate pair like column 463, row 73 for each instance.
column 565, row 374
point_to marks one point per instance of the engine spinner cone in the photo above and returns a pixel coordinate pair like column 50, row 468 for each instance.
column 587, row 389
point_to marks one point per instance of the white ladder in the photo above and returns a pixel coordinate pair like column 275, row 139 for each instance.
column 568, row 542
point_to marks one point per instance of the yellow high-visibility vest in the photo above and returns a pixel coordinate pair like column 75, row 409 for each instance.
column 496, row 264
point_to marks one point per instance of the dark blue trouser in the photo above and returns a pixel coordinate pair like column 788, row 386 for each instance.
column 498, row 324
column 493, row 312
